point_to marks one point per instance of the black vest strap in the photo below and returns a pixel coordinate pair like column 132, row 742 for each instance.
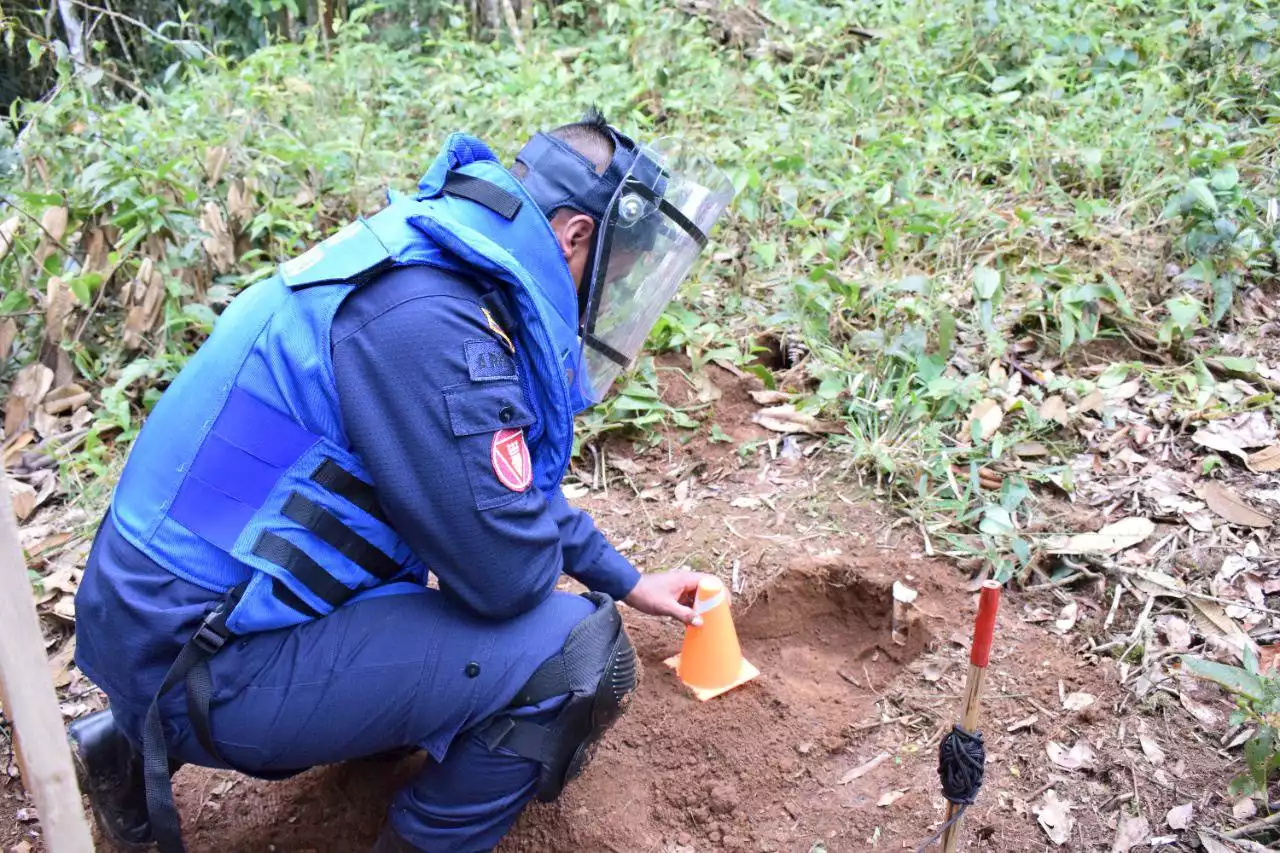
column 332, row 476
column 483, row 193
column 350, row 544
column 289, row 599
column 291, row 558
column 191, row 666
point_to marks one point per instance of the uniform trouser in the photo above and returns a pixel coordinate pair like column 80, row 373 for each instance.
column 407, row 670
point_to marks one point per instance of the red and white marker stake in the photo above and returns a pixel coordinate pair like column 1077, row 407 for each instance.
column 983, row 632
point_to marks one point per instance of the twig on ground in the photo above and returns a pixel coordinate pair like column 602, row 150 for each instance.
column 1255, row 828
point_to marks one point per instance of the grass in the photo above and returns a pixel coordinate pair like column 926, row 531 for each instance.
column 983, row 176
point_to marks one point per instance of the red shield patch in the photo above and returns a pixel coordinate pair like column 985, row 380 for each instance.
column 510, row 457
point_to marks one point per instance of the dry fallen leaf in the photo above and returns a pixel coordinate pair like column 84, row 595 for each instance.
column 1208, row 717
column 1131, row 832
column 8, row 334
column 57, row 309
column 786, row 419
column 220, row 246
column 8, row 229
column 1213, row 845
column 1079, row 756
column 988, row 415
column 54, row 222
column 1151, row 750
column 888, row 798
column 1225, row 502
column 1054, row 409
column 27, row 391
column 23, row 498
column 1123, row 391
column 215, row 160
column 239, row 203
column 1157, row 583
column 1054, row 816
column 1092, row 402
column 1220, row 443
column 1112, row 539
column 770, row 398
column 1177, row 632
column 864, row 768
column 1244, row 808
column 1078, row 701
column 1179, row 817
column 1264, row 461
column 1067, row 618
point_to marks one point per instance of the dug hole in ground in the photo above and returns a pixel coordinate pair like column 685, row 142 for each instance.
column 834, row 746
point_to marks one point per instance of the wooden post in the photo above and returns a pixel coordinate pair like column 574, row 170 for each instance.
column 30, row 702
column 983, row 632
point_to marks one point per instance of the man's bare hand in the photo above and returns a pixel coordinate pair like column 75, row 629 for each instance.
column 667, row 594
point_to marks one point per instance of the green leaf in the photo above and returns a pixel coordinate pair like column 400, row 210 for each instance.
column 764, row 375
column 80, row 289
column 1235, row 679
column 1225, row 178
column 996, row 521
column 1259, row 752
column 768, row 252
column 985, row 282
column 718, row 435
column 883, row 196
column 1198, row 191
column 1184, row 310
column 946, row 333
column 1240, row 365
column 1224, row 292
column 35, row 49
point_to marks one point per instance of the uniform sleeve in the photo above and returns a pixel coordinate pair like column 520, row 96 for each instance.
column 423, row 389
column 588, row 556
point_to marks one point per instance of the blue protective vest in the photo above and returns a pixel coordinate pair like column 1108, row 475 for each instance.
column 243, row 474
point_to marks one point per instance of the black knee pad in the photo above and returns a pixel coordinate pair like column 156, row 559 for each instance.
column 597, row 668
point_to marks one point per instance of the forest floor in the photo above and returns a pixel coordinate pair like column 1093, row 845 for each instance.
column 833, row 748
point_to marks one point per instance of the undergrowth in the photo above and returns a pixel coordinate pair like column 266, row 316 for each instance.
column 926, row 191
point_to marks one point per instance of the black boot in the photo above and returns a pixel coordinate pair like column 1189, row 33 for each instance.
column 391, row 842
column 109, row 770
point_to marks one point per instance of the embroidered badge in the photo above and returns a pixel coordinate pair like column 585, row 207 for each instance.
column 496, row 329
column 510, row 457
column 487, row 360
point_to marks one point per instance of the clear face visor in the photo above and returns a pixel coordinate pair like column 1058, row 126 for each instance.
column 652, row 232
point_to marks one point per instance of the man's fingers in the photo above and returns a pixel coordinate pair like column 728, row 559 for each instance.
column 687, row 615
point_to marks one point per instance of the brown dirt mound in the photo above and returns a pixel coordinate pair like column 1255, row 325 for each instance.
column 753, row 769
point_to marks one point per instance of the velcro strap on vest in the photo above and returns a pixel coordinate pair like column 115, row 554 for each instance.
column 350, row 544
column 287, row 597
column 483, row 193
column 332, row 476
column 283, row 553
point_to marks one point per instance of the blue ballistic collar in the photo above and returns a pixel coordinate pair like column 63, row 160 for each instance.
column 560, row 176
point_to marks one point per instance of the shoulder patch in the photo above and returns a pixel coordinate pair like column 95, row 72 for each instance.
column 509, row 456
column 496, row 329
column 487, row 361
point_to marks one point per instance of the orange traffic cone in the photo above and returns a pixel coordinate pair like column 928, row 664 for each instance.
column 711, row 661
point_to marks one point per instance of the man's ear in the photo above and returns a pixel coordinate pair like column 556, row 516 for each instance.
column 574, row 232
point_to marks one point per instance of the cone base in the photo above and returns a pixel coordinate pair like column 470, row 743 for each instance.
column 746, row 672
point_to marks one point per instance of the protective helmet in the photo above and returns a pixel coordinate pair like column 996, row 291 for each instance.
column 653, row 207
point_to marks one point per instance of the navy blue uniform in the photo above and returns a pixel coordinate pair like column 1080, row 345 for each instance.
column 385, row 670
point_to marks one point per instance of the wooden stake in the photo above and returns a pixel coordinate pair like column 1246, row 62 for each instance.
column 30, row 702
column 979, row 656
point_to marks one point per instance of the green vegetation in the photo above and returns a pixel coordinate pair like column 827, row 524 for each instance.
column 937, row 199
column 1258, row 706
